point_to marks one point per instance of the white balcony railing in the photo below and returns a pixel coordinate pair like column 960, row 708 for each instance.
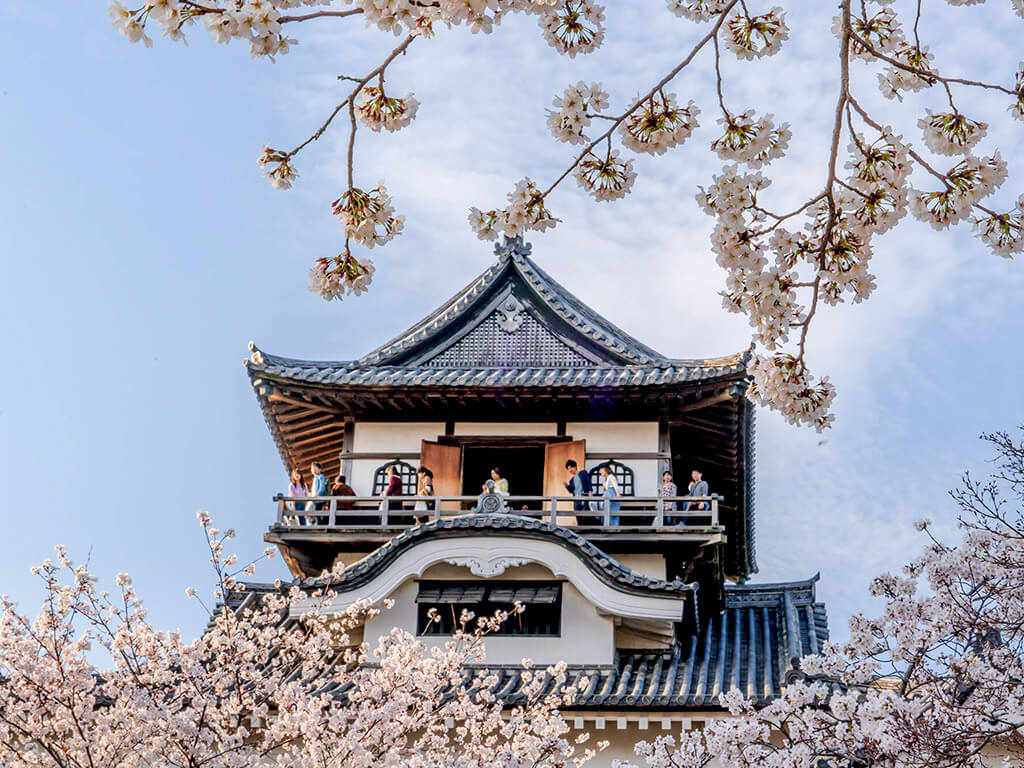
column 397, row 512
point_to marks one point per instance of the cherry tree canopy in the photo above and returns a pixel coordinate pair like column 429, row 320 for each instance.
column 782, row 266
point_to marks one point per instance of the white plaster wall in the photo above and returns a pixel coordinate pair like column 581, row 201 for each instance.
column 649, row 565
column 505, row 429
column 587, row 637
column 362, row 475
column 615, row 436
column 394, row 436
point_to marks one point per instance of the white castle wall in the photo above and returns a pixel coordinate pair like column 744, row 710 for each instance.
column 622, row 437
column 399, row 439
column 505, row 429
column 402, row 440
column 587, row 637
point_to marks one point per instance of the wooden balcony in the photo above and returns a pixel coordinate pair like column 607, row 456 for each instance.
column 370, row 519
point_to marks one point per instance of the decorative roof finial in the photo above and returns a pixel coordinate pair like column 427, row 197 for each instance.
column 510, row 247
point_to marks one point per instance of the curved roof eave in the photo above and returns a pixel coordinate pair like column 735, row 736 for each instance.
column 607, row 568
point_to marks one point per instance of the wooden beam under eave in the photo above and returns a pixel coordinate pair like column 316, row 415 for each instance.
column 302, row 404
column 320, row 427
column 301, row 418
column 339, row 430
column 707, row 402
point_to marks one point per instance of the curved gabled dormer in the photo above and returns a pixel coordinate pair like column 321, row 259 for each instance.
column 483, row 562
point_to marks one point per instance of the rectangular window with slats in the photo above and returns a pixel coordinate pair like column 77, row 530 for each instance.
column 541, row 615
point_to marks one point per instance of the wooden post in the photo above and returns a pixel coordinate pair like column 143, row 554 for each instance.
column 607, row 517
column 437, row 509
column 385, row 507
column 281, row 507
column 659, row 513
column 332, row 517
column 714, row 509
column 346, row 450
column 552, row 512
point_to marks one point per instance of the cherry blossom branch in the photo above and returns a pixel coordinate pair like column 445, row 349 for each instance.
column 616, row 121
column 349, row 101
column 321, row 14
column 925, row 73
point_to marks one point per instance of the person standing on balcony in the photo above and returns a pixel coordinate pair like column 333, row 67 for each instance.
column 319, row 488
column 424, row 487
column 341, row 488
column 298, row 488
column 667, row 491
column 698, row 487
column 579, row 485
column 319, row 479
column 610, row 494
column 393, row 487
column 500, row 482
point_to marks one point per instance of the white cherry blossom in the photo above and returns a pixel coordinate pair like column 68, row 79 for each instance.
column 658, row 124
column 753, row 37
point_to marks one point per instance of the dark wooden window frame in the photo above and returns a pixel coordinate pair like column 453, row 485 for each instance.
column 406, row 471
column 623, row 473
column 536, row 620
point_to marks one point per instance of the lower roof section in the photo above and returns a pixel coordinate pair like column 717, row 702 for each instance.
column 752, row 646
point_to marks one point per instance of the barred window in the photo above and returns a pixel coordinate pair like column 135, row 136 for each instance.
column 405, row 470
column 622, row 473
column 541, row 614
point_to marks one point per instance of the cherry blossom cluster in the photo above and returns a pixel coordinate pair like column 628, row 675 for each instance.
column 574, row 26
column 698, row 10
column 658, row 124
column 934, row 681
column 257, row 21
column 607, row 176
column 526, row 211
column 574, row 111
column 755, row 142
column 950, row 133
column 279, row 168
column 1003, row 232
column 256, row 687
column 784, row 384
column 753, row 37
column 340, row 275
column 966, row 183
column 368, row 216
column 377, row 110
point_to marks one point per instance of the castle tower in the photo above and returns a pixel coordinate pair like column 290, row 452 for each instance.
column 646, row 596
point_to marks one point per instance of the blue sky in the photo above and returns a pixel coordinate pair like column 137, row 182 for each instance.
column 142, row 251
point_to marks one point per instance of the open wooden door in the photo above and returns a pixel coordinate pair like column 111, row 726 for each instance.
column 555, row 476
column 445, row 461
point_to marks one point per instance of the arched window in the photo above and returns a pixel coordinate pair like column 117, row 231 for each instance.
column 622, row 473
column 405, row 470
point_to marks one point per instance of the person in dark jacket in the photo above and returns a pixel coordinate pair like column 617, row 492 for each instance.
column 579, row 485
column 341, row 488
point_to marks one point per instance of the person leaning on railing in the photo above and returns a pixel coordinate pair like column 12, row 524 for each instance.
column 579, row 485
column 697, row 487
column 610, row 492
column 298, row 487
column 668, row 491
column 341, row 488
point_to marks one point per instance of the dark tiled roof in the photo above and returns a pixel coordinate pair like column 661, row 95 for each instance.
column 748, row 647
column 623, row 361
column 751, row 646
column 605, row 566
column 349, row 374
column 514, row 256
